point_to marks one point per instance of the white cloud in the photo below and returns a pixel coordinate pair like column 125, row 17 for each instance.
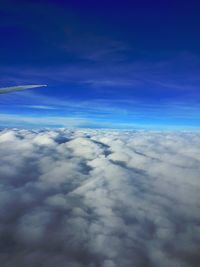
column 53, row 121
column 99, row 198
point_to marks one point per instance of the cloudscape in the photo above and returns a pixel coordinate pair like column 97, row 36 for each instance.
column 98, row 198
column 99, row 133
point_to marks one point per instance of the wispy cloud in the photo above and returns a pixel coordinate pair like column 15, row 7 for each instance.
column 115, row 113
column 45, row 121
column 111, row 83
column 39, row 107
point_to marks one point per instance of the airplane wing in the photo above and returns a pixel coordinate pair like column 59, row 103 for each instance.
column 11, row 89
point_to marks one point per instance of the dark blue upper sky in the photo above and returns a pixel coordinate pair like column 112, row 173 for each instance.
column 107, row 63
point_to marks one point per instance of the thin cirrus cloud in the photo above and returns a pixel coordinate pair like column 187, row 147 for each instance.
column 99, row 198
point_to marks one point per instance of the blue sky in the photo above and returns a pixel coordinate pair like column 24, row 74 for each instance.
column 112, row 64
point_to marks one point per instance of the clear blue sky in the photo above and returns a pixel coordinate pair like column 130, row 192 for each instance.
column 115, row 64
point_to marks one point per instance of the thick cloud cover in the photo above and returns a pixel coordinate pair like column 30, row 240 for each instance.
column 98, row 198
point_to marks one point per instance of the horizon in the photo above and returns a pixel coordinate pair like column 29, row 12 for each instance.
column 99, row 133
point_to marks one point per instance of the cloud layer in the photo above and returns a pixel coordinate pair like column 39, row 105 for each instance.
column 99, row 198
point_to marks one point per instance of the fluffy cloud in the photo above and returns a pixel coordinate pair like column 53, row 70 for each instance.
column 99, row 198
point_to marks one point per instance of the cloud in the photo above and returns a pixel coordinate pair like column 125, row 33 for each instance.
column 99, row 198
column 11, row 89
column 38, row 107
column 46, row 121
column 111, row 83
